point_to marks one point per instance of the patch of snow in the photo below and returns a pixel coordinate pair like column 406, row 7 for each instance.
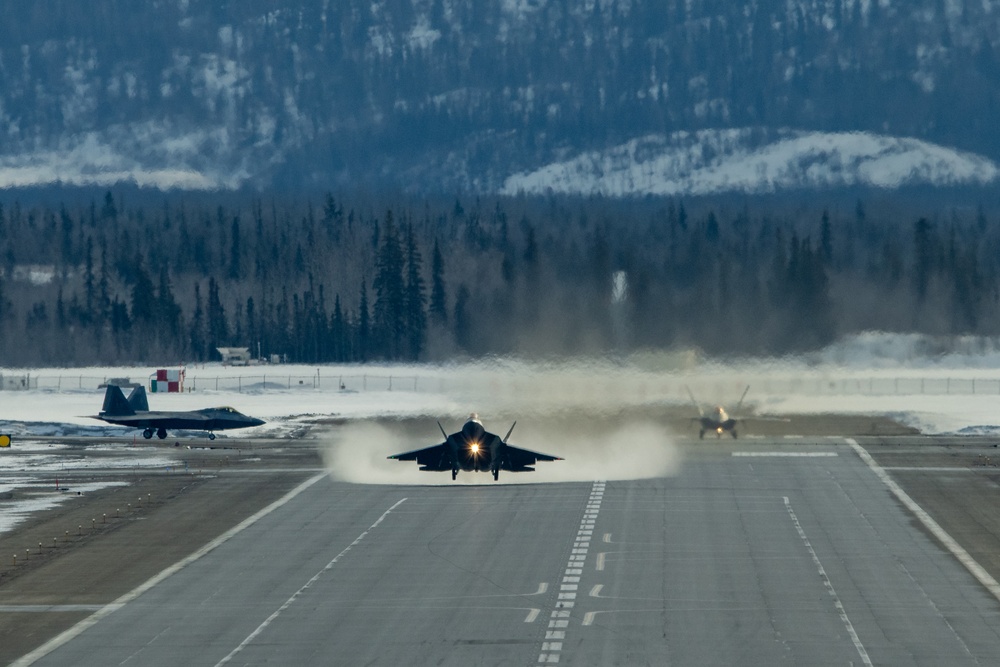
column 169, row 160
column 422, row 36
column 29, row 497
column 754, row 162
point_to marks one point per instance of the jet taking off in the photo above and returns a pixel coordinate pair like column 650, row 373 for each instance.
column 134, row 412
column 718, row 420
column 474, row 449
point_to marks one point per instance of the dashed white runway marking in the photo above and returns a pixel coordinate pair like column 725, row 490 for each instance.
column 288, row 603
column 934, row 469
column 784, row 454
column 570, row 585
column 829, row 586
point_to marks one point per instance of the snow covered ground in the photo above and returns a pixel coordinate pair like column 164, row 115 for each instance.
column 752, row 160
column 938, row 394
column 957, row 392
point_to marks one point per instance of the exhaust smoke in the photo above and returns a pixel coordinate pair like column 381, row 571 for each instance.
column 608, row 449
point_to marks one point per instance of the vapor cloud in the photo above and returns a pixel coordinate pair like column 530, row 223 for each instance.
column 356, row 452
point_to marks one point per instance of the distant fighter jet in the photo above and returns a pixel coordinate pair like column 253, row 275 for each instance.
column 134, row 412
column 474, row 449
column 717, row 420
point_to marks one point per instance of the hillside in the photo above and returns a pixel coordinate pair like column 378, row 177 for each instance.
column 447, row 96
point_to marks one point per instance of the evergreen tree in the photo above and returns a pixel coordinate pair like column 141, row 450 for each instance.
column 364, row 325
column 338, row 332
column 218, row 328
column 235, row 251
column 923, row 261
column 439, row 299
column 463, row 324
column 415, row 298
column 196, row 335
column 826, row 239
column 390, row 293
column 103, row 289
column 88, row 277
column 143, row 295
column 109, row 211
column 168, row 312
column 252, row 327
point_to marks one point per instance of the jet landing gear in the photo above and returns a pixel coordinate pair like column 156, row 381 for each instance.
column 454, row 474
column 148, row 433
column 496, row 474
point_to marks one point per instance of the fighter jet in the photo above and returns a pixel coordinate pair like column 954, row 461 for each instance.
column 718, row 420
column 134, row 412
column 475, row 449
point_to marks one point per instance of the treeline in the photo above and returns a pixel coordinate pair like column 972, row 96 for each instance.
column 355, row 281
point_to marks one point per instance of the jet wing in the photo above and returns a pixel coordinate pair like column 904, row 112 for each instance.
column 429, row 458
column 518, row 459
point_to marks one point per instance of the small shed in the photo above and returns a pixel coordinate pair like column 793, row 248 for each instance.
column 167, row 380
column 235, row 356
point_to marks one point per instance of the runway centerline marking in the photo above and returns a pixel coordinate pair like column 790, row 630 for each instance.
column 956, row 549
column 288, row 603
column 107, row 609
column 552, row 650
column 829, row 586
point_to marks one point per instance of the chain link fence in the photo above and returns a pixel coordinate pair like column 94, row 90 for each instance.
column 649, row 385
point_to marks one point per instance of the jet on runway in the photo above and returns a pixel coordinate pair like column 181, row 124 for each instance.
column 717, row 420
column 475, row 449
column 134, row 412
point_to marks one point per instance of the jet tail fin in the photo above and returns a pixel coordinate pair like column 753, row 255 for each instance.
column 509, row 432
column 115, row 402
column 137, row 400
column 737, row 409
column 694, row 402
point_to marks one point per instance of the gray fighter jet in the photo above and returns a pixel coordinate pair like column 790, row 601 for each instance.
column 134, row 412
column 474, row 449
column 717, row 421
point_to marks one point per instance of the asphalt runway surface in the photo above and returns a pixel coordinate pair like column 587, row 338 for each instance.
column 756, row 552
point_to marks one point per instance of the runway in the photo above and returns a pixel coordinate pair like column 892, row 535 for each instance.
column 756, row 553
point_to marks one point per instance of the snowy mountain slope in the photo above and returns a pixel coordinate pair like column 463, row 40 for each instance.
column 458, row 95
column 718, row 161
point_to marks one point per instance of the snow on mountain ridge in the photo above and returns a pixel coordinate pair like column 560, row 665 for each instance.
column 748, row 160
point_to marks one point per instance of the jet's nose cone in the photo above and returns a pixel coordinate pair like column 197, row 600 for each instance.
column 256, row 422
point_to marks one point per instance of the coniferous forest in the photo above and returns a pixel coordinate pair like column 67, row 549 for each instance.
column 342, row 280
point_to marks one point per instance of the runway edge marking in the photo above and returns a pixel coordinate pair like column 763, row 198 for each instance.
column 855, row 639
column 956, row 549
column 90, row 621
